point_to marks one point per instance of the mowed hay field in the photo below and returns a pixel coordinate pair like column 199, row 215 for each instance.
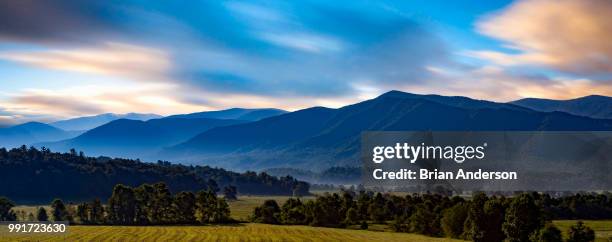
column 239, row 232
column 602, row 228
column 242, row 208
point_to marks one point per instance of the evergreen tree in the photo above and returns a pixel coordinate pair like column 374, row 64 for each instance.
column 580, row 233
column 41, row 214
column 82, row 213
column 96, row 212
column 59, row 211
column 6, row 210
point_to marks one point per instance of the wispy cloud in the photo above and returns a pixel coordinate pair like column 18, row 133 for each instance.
column 171, row 57
column 570, row 35
column 109, row 59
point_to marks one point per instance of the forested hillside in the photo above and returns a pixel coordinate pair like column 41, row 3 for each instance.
column 29, row 175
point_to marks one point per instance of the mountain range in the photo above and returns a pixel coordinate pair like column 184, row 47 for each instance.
column 139, row 139
column 32, row 132
column 90, row 122
column 136, row 139
column 235, row 113
column 316, row 138
column 311, row 139
column 594, row 106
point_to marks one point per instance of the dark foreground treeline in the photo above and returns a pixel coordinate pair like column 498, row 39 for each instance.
column 29, row 175
column 143, row 205
column 525, row 217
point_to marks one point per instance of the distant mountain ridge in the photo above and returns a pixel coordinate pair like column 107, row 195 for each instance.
column 322, row 137
column 90, row 122
column 32, row 132
column 135, row 138
column 234, row 113
column 594, row 106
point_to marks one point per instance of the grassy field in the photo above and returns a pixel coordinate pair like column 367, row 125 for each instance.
column 243, row 207
column 603, row 229
column 240, row 209
column 241, row 232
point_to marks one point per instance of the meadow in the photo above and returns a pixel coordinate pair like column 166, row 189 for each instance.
column 602, row 228
column 239, row 232
column 241, row 209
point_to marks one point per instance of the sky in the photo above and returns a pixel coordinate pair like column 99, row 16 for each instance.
column 66, row 58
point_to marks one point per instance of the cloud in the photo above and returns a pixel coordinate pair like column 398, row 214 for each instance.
column 494, row 83
column 289, row 49
column 570, row 35
column 55, row 21
column 116, row 97
column 115, row 59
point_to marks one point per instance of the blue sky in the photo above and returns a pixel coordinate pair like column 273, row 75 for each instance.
column 63, row 58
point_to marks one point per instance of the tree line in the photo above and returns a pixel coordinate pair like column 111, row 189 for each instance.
column 147, row 204
column 525, row 217
column 71, row 175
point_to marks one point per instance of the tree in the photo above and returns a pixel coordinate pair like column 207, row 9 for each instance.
column 161, row 210
column 221, row 213
column 292, row 212
column 475, row 224
column 206, row 204
column 144, row 202
column 185, row 203
column 268, row 213
column 453, row 219
column 96, row 212
column 523, row 218
column 549, row 233
column 41, row 214
column 376, row 209
column 352, row 217
column 494, row 212
column 59, row 211
column 122, row 205
column 580, row 233
column 82, row 213
column 422, row 220
column 364, row 225
column 363, row 202
column 6, row 210
column 230, row 193
column 326, row 211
